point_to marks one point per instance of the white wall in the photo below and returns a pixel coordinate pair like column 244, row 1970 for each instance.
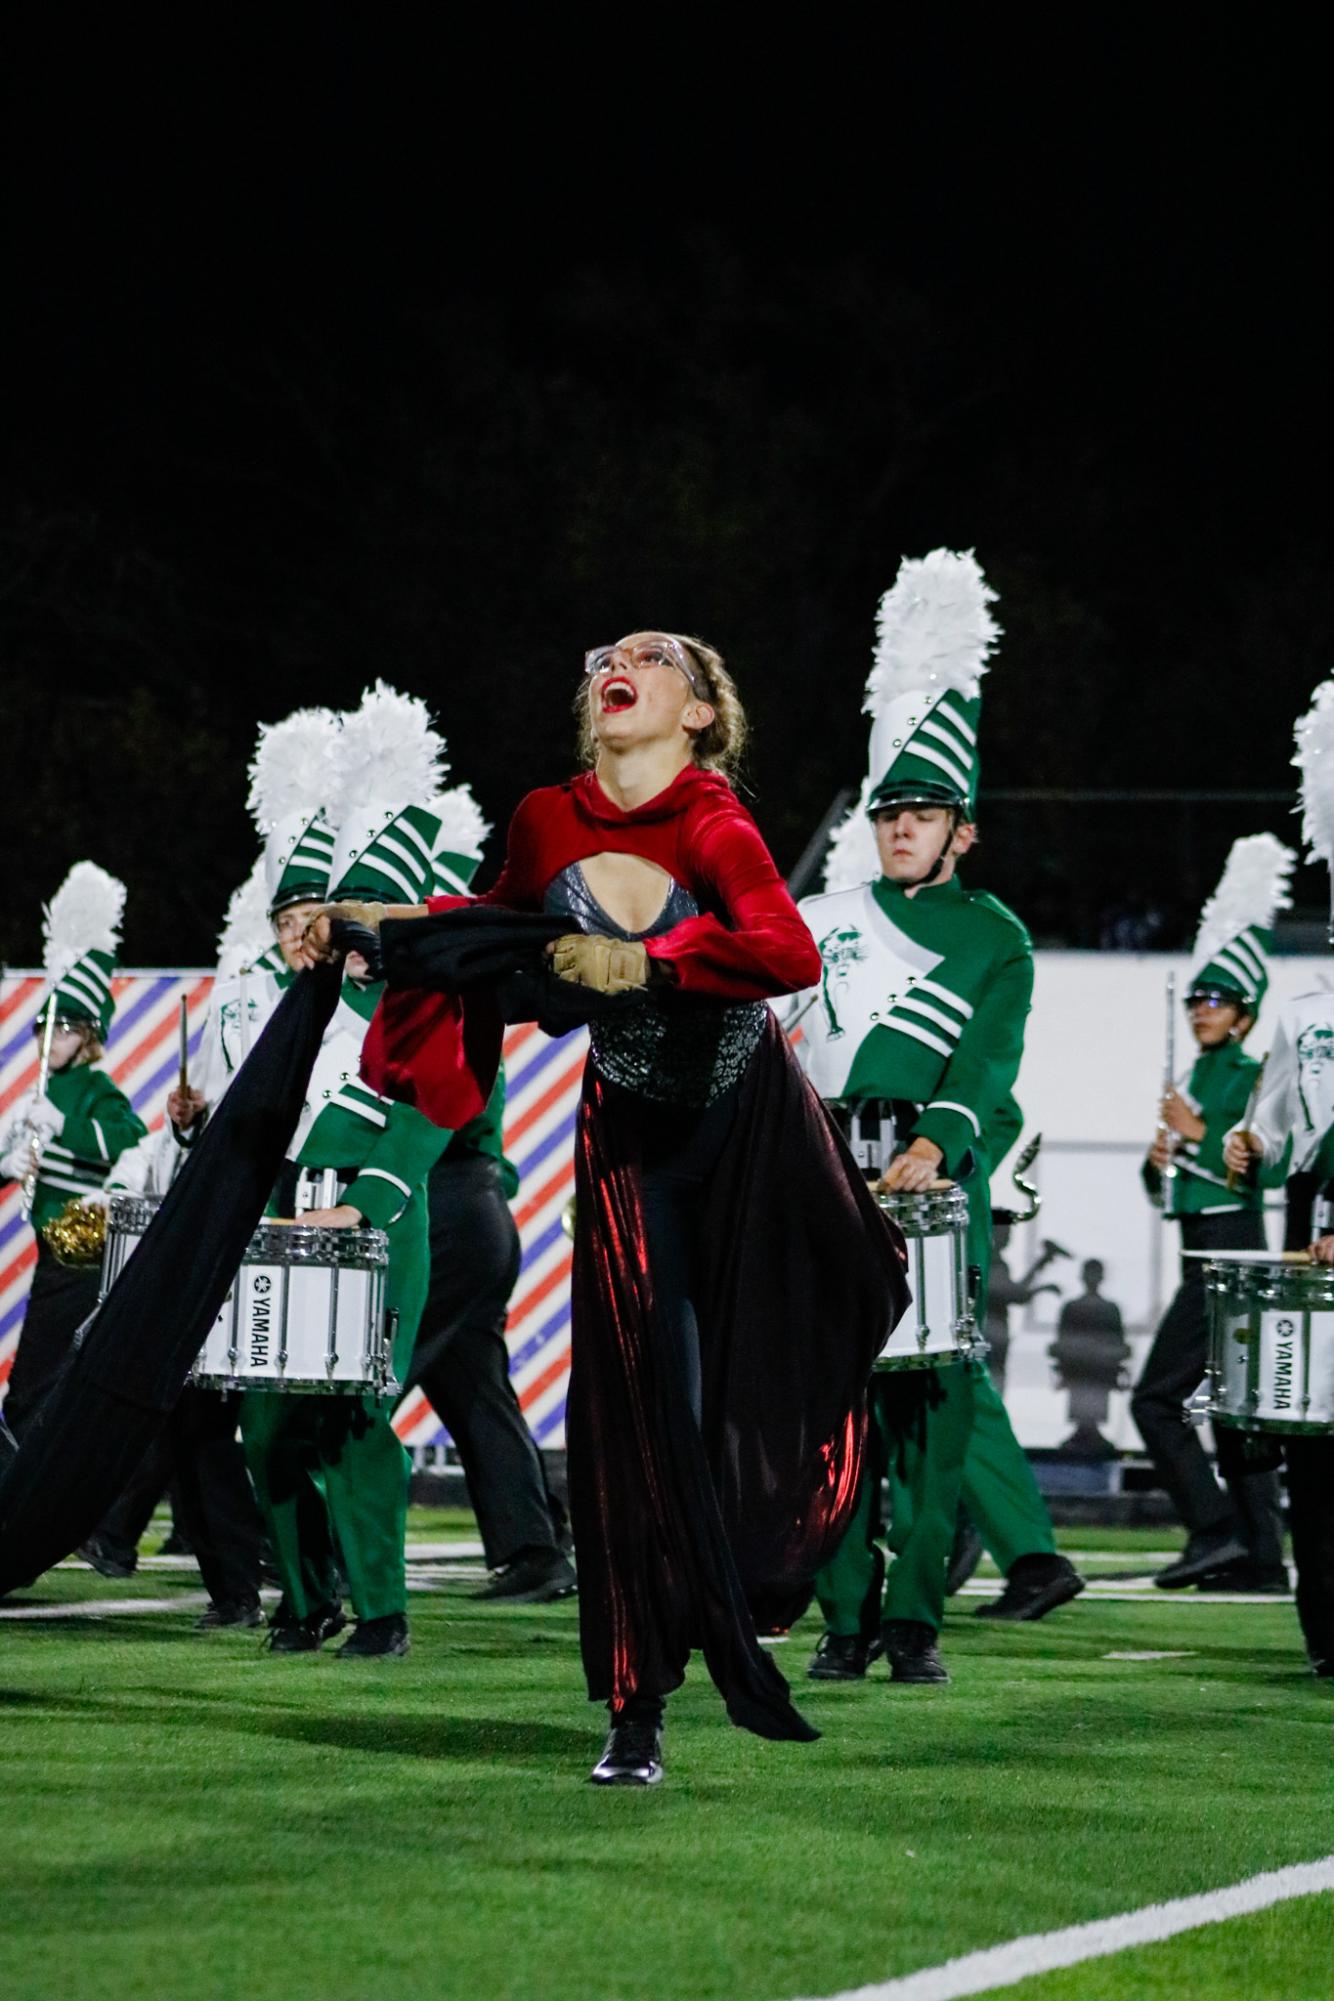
column 1092, row 1071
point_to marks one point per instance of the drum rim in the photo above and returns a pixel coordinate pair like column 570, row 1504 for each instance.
column 1308, row 1426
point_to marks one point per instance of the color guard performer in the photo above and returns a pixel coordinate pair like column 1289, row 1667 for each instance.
column 1234, row 1534
column 65, row 1135
column 732, row 1278
column 913, row 1038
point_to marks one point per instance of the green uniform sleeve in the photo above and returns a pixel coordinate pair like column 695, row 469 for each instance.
column 981, row 1073
column 1001, row 1130
column 100, row 1122
column 396, row 1166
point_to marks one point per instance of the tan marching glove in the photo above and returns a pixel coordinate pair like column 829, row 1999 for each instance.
column 369, row 914
column 608, row 965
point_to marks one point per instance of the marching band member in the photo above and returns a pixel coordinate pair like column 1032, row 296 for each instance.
column 732, row 1278
column 333, row 1467
column 914, row 1037
column 1234, row 1536
column 66, row 1134
column 1290, row 1129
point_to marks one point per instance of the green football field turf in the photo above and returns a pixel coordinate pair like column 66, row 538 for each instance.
column 187, row 1817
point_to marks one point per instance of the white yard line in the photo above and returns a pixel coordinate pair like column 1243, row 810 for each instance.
column 1121, row 1594
column 105, row 1608
column 1043, row 1952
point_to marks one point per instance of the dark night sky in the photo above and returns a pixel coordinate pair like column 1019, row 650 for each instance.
column 366, row 355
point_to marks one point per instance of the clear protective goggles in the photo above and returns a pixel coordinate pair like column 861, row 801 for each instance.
column 1212, row 997
column 65, row 1024
column 659, row 651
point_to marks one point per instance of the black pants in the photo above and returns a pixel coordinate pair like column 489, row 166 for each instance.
column 200, row 1455
column 1173, row 1369
column 60, row 1301
column 680, row 1151
column 462, row 1364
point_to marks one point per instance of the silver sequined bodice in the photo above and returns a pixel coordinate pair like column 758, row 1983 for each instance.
column 675, row 1048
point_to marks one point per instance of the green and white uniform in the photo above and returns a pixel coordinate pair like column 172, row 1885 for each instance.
column 923, row 999
column 1218, row 1090
column 84, row 1121
column 334, row 1466
column 321, row 1461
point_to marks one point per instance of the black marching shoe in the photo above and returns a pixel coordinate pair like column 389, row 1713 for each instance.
column 633, row 1754
column 535, row 1577
column 304, row 1636
column 841, row 1657
column 1203, row 1554
column 108, row 1562
column 229, row 1614
column 1256, row 1579
column 377, row 1639
column 912, row 1653
column 1034, row 1586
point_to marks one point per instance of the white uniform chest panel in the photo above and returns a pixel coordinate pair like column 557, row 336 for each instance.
column 1312, row 1034
column 336, row 1077
column 870, row 968
column 242, row 1006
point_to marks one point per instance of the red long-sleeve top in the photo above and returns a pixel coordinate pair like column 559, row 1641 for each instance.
column 748, row 942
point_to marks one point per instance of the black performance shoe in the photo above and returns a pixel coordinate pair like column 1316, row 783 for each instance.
column 535, row 1577
column 107, row 1562
column 910, row 1647
column 633, row 1755
column 1035, row 1586
column 1202, row 1555
column 377, row 1639
column 841, row 1657
column 218, row 1616
column 1251, row 1578
column 305, row 1636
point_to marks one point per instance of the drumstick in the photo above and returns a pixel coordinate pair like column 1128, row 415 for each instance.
column 183, row 1080
column 1252, row 1257
column 1251, row 1103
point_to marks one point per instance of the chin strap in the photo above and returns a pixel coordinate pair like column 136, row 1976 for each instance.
column 939, row 862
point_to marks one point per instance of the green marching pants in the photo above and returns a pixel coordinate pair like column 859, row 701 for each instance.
column 329, row 1471
column 939, row 1443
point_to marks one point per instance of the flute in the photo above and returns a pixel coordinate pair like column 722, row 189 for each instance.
column 1169, row 1173
column 29, row 1194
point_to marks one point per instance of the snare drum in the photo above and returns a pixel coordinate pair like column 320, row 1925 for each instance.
column 1271, row 1344
column 939, row 1325
column 128, row 1216
column 306, row 1313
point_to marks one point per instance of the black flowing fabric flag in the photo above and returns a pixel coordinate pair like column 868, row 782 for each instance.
column 117, row 1388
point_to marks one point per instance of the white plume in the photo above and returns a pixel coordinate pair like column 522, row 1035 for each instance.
column 1315, row 761
column 246, row 930
column 463, row 826
column 1253, row 887
column 84, row 915
column 852, row 856
column 933, row 628
column 295, row 767
column 389, row 752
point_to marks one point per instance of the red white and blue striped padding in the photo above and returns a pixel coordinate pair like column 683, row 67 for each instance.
column 544, row 1080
